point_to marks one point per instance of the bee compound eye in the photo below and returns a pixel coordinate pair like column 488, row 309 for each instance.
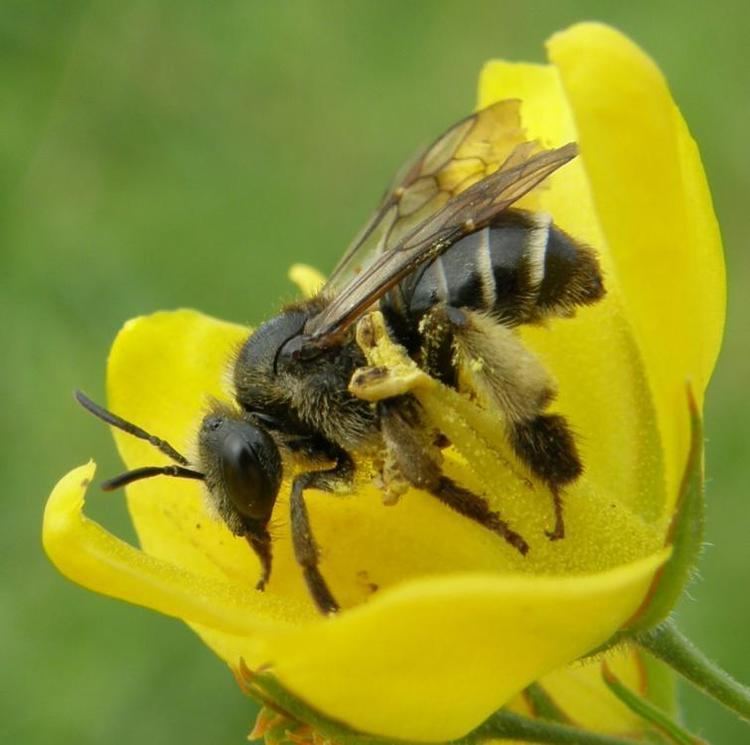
column 251, row 470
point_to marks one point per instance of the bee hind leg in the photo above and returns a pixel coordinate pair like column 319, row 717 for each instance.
column 305, row 548
column 546, row 445
column 402, row 430
column 490, row 358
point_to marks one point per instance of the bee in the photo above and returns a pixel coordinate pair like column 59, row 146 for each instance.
column 455, row 269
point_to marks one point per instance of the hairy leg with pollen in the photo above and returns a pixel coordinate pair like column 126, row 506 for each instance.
column 467, row 348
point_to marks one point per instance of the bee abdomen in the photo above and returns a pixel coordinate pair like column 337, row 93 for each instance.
column 521, row 268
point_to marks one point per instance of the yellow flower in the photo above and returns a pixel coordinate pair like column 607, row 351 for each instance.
column 444, row 622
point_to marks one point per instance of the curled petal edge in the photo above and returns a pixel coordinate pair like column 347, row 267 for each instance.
column 89, row 555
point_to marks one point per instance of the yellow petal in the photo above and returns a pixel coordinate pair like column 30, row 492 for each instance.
column 161, row 378
column 425, row 561
column 382, row 669
column 654, row 207
column 86, row 553
column 603, row 386
column 638, row 194
column 428, row 661
column 581, row 693
column 583, row 699
column 308, row 279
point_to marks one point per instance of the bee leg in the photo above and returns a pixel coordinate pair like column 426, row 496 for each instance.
column 260, row 541
column 546, row 445
column 502, row 371
column 436, row 351
column 305, row 548
column 401, row 430
column 476, row 508
column 559, row 530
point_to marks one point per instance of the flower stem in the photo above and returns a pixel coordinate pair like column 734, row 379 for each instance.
column 677, row 651
column 647, row 711
column 507, row 725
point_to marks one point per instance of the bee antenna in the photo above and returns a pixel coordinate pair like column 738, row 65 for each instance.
column 132, row 429
column 137, row 474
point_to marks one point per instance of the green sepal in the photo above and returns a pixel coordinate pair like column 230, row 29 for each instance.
column 264, row 687
column 685, row 536
column 542, row 705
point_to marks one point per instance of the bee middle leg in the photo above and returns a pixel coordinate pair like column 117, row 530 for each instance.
column 501, row 370
column 401, row 428
column 305, row 547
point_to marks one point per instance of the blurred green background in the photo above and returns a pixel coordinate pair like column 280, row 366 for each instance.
column 159, row 154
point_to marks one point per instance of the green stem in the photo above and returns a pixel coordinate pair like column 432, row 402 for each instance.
column 509, row 726
column 647, row 711
column 677, row 651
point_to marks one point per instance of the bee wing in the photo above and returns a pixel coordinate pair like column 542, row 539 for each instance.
column 468, row 152
column 464, row 213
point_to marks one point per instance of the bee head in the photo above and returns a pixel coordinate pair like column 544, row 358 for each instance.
column 242, row 469
column 239, row 463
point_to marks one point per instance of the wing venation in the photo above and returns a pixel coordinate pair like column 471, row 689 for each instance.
column 424, row 237
column 468, row 152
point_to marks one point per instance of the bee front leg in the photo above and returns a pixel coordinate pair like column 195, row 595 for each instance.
column 305, row 547
column 260, row 541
